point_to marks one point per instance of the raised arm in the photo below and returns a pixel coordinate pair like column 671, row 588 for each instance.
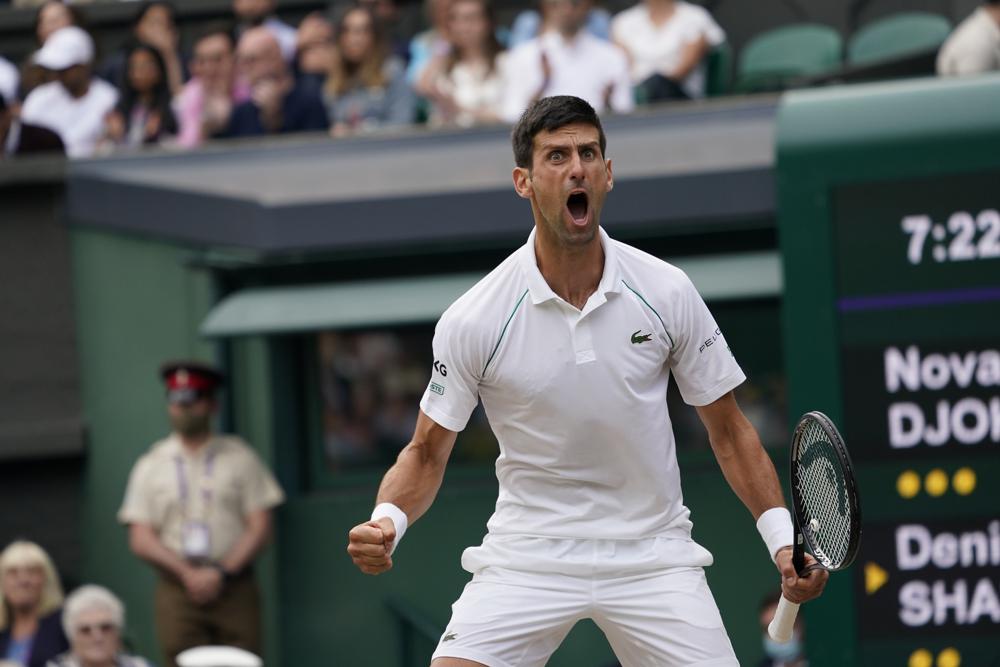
column 750, row 473
column 411, row 485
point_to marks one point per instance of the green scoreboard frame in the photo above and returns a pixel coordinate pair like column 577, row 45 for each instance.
column 890, row 237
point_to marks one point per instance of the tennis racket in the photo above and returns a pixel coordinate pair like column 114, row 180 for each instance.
column 825, row 507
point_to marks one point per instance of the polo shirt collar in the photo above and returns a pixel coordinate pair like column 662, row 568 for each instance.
column 540, row 290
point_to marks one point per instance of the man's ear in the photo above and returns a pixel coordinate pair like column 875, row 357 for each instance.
column 522, row 182
column 611, row 177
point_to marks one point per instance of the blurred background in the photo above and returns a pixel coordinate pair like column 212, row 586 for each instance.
column 827, row 172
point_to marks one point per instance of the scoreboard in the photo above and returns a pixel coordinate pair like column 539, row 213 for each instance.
column 891, row 241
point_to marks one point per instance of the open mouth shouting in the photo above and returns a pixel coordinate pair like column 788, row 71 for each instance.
column 578, row 205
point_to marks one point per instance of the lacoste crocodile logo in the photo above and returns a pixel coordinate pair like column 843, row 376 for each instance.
column 636, row 338
column 449, row 637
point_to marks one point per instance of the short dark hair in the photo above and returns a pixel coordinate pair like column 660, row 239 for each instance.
column 547, row 114
column 220, row 28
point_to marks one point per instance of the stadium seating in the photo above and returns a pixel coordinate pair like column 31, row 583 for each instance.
column 898, row 35
column 772, row 60
column 719, row 70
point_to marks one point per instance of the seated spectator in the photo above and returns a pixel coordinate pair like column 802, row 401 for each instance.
column 31, row 598
column 465, row 86
column 666, row 42
column 16, row 138
column 387, row 14
column 366, row 87
column 154, row 24
column 143, row 115
column 256, row 13
column 76, row 104
column 566, row 60
column 974, row 46
column 10, row 79
column 528, row 25
column 206, row 102
column 277, row 103
column 50, row 16
column 314, row 49
column 431, row 42
column 94, row 619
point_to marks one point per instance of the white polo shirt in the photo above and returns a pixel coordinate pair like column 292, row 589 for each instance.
column 655, row 49
column 577, row 399
column 584, row 66
column 79, row 122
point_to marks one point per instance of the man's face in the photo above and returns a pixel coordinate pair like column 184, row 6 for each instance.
column 213, row 59
column 566, row 16
column 567, row 183
column 75, row 79
column 260, row 57
column 192, row 419
column 253, row 11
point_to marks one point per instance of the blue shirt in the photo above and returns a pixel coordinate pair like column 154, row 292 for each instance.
column 19, row 650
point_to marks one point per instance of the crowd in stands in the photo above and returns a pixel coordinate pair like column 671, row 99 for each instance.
column 342, row 72
column 41, row 628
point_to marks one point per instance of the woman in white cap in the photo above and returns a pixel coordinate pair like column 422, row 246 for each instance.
column 93, row 619
column 30, row 603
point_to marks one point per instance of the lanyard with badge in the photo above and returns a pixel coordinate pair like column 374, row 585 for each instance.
column 196, row 536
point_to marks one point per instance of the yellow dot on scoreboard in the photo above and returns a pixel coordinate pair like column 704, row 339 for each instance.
column 964, row 481
column 949, row 658
column 908, row 484
column 920, row 658
column 936, row 482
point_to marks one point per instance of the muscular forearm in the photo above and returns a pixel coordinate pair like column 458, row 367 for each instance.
column 250, row 543
column 747, row 467
column 146, row 545
column 413, row 482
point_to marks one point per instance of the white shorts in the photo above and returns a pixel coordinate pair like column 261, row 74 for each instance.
column 658, row 618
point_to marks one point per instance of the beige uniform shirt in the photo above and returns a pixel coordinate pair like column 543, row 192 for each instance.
column 973, row 48
column 218, row 486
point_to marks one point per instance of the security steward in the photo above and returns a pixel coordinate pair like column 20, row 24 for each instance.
column 199, row 509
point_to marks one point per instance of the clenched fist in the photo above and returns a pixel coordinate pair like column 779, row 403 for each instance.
column 370, row 545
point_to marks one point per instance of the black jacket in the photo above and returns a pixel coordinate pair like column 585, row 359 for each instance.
column 50, row 640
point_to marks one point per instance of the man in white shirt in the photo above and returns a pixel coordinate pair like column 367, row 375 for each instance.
column 566, row 60
column 974, row 46
column 666, row 42
column 76, row 104
column 570, row 344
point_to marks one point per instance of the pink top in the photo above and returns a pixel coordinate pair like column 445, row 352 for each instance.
column 189, row 105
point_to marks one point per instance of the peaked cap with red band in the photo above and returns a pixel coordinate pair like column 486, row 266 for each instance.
column 187, row 380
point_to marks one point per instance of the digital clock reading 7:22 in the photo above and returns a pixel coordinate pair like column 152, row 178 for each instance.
column 964, row 237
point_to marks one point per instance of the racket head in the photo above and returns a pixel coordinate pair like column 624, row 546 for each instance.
column 824, row 492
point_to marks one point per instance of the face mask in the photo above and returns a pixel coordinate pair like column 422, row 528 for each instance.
column 790, row 650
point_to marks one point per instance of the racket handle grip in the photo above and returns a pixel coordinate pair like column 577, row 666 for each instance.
column 781, row 626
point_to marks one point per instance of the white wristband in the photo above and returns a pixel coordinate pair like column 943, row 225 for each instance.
column 776, row 529
column 398, row 517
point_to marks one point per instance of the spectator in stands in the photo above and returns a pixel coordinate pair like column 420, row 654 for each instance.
column 788, row 654
column 154, row 24
column 387, row 13
column 10, row 79
column 143, row 115
column 256, row 13
column 16, row 138
column 76, row 104
column 366, row 86
column 465, row 86
column 566, row 60
column 94, row 619
column 50, row 16
column 666, row 42
column 31, row 598
column 431, row 42
column 528, row 25
column 314, row 50
column 277, row 103
column 206, row 102
column 974, row 46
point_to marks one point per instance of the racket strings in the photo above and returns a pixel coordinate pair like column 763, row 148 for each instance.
column 826, row 512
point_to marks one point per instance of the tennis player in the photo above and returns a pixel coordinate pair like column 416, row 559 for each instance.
column 570, row 344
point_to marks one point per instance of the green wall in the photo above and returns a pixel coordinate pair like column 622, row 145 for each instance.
column 137, row 304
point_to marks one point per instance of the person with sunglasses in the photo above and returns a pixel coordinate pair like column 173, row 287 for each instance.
column 94, row 619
